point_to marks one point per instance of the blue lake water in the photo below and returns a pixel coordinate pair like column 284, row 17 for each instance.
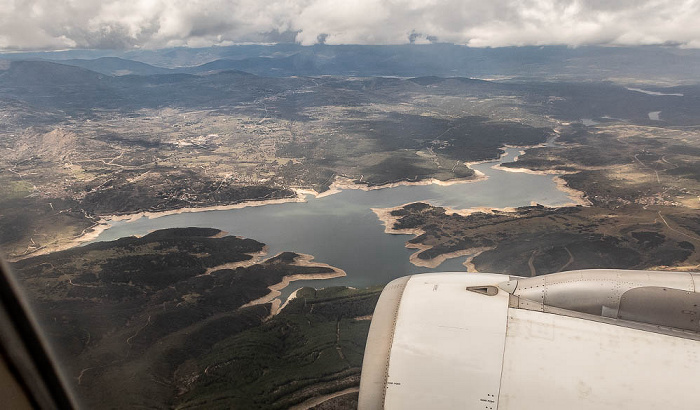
column 342, row 230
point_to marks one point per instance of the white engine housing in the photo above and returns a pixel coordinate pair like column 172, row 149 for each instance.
column 597, row 339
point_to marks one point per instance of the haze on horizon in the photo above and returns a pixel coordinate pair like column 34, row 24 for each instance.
column 153, row 24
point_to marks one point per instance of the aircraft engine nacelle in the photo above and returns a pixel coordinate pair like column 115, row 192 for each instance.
column 589, row 339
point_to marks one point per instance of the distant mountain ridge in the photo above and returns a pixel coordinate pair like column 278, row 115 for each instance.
column 658, row 64
column 77, row 90
column 117, row 66
column 36, row 73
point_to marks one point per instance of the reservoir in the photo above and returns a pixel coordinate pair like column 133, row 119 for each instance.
column 343, row 231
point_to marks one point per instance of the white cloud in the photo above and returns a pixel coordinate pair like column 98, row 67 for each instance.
column 52, row 24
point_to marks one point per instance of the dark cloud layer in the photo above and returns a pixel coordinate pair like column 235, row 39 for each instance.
column 61, row 24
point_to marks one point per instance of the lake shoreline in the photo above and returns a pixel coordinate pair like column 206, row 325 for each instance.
column 340, row 184
column 275, row 289
column 577, row 197
column 388, row 220
column 105, row 222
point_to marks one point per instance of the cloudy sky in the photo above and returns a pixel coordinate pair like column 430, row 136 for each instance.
column 61, row 24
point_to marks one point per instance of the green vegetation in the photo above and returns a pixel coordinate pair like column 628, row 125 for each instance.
column 394, row 147
column 618, row 164
column 313, row 347
column 29, row 224
column 159, row 320
column 97, row 145
column 642, row 183
column 15, row 190
column 537, row 240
